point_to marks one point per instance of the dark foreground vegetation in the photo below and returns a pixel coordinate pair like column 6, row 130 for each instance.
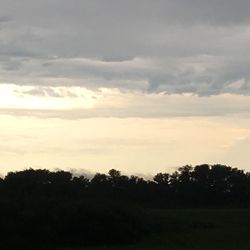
column 205, row 207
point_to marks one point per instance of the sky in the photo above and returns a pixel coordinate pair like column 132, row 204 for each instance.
column 141, row 86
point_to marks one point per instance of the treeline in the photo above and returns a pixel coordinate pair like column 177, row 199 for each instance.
column 44, row 208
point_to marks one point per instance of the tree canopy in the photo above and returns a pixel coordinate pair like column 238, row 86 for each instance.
column 48, row 207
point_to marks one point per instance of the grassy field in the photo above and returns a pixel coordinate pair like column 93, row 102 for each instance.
column 194, row 229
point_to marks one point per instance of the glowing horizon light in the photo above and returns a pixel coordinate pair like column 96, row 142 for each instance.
column 57, row 98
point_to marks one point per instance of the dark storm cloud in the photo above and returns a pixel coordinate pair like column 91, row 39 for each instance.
column 4, row 19
column 175, row 46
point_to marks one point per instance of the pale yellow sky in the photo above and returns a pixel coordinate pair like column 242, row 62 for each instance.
column 143, row 86
column 137, row 139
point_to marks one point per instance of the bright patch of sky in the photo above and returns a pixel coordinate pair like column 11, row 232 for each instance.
column 143, row 86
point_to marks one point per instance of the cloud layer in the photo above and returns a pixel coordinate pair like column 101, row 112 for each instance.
column 78, row 103
column 167, row 46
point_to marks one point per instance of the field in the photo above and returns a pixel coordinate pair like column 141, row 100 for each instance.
column 194, row 229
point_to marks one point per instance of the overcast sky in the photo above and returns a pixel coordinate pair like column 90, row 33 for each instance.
column 178, row 68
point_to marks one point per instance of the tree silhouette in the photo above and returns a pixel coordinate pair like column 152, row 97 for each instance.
column 56, row 208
